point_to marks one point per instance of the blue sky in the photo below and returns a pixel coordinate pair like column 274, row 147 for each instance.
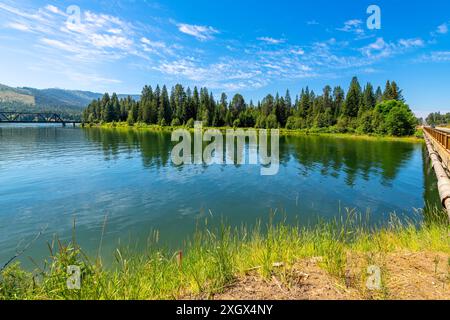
column 252, row 47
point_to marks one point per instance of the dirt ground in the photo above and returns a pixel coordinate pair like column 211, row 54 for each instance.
column 404, row 276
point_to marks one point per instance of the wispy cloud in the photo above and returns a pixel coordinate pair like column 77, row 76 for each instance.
column 442, row 29
column 354, row 26
column 382, row 49
column 436, row 56
column 271, row 40
column 228, row 64
column 312, row 23
column 54, row 9
column 18, row 26
column 202, row 33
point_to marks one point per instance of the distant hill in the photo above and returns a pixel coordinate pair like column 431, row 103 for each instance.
column 68, row 102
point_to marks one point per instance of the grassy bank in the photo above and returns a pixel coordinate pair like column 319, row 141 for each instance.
column 216, row 260
column 284, row 132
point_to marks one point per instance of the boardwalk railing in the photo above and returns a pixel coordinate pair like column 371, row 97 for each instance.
column 442, row 137
column 438, row 142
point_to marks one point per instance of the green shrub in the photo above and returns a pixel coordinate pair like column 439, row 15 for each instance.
column 272, row 122
column 400, row 122
column 295, row 123
column 190, row 123
column 175, row 122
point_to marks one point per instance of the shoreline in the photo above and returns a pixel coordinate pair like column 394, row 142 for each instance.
column 283, row 132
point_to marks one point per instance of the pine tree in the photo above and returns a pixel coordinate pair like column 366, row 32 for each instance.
column 353, row 99
column 379, row 95
column 237, row 105
column 115, row 106
column 388, row 94
column 305, row 103
column 267, row 105
column 146, row 105
column 396, row 92
column 164, row 112
column 369, row 99
column 154, row 106
column 338, row 101
column 196, row 104
column 288, row 101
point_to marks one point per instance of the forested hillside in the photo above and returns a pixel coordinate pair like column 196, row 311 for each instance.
column 68, row 103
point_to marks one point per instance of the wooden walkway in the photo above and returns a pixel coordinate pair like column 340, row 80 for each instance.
column 440, row 138
column 438, row 145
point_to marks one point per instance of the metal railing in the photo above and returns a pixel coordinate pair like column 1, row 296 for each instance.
column 442, row 137
column 30, row 117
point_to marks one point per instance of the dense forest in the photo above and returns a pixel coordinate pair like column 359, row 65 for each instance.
column 437, row 118
column 362, row 110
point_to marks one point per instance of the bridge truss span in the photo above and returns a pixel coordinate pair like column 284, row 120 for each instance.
column 30, row 117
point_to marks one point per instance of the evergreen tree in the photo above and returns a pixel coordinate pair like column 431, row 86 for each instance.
column 396, row 92
column 338, row 101
column 388, row 94
column 115, row 107
column 353, row 99
column 154, row 106
column 237, row 105
column 196, row 103
column 164, row 111
column 369, row 99
column 379, row 95
column 267, row 105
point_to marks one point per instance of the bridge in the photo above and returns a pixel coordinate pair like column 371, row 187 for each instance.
column 29, row 117
column 438, row 145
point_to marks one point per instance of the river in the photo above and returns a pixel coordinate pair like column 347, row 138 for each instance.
column 52, row 176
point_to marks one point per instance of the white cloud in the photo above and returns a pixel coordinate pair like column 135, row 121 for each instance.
column 201, row 33
column 155, row 44
column 436, row 56
column 299, row 52
column 18, row 26
column 271, row 40
column 59, row 45
column 53, row 9
column 442, row 29
column 110, row 41
column 115, row 31
column 382, row 49
column 411, row 43
column 226, row 74
column 158, row 48
column 354, row 26
column 21, row 13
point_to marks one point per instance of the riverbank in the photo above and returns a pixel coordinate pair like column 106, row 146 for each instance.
column 328, row 261
column 418, row 137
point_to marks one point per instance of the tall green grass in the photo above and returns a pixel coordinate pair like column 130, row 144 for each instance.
column 215, row 256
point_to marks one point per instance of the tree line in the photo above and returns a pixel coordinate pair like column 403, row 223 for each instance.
column 363, row 110
column 436, row 119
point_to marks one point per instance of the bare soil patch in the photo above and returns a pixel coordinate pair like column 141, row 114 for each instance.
column 405, row 275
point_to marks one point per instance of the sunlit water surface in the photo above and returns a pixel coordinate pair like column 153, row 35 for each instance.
column 51, row 176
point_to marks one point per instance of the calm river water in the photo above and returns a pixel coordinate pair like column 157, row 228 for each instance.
column 51, row 175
